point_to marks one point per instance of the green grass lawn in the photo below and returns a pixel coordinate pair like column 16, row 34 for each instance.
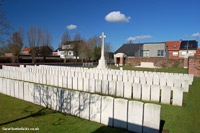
column 18, row 113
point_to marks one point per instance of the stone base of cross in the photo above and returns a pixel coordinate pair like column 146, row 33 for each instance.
column 102, row 62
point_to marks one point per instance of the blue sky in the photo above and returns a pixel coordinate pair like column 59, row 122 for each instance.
column 139, row 20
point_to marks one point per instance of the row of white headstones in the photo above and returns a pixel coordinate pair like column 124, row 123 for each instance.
column 134, row 85
column 117, row 112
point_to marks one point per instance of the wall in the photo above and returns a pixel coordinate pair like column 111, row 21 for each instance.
column 194, row 66
column 160, row 62
column 153, row 49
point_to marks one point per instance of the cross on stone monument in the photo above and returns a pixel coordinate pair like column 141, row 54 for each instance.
column 102, row 62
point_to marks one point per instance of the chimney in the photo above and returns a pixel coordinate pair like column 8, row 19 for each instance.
column 180, row 40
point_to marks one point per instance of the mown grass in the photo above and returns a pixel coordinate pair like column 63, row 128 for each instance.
column 18, row 113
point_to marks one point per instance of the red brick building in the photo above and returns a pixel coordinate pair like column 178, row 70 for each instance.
column 173, row 48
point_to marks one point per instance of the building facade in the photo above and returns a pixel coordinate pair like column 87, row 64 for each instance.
column 188, row 48
column 155, row 50
column 67, row 50
column 173, row 48
column 147, row 50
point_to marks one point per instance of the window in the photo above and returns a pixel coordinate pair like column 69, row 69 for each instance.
column 64, row 47
column 70, row 53
column 184, row 52
column 160, row 52
column 175, row 53
column 191, row 53
column 175, row 46
column 145, row 53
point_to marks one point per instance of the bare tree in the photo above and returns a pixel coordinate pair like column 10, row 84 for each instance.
column 5, row 31
column 45, row 44
column 77, row 39
column 34, row 39
column 83, row 51
column 64, row 39
column 94, row 46
column 108, row 49
column 15, row 44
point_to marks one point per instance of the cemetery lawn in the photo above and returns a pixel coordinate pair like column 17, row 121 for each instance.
column 18, row 113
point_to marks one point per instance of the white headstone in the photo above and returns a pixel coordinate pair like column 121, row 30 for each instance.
column 120, row 113
column 107, row 110
column 105, row 76
column 146, row 92
column 37, row 93
column 16, row 89
column 115, row 78
column 4, row 85
column 185, row 85
column 125, row 78
column 8, row 90
column 120, row 89
column 149, row 80
column 170, row 82
column 137, row 91
column 135, row 116
column 119, row 78
column 136, row 79
column 142, row 80
column 163, row 81
column 112, row 88
column 12, row 88
column 1, row 85
column 105, row 87
column 177, row 97
column 92, row 86
column 166, row 95
column 155, row 93
column 21, row 90
column 60, row 81
column 43, row 96
column 128, row 90
column 75, row 103
column 31, row 92
column 26, row 93
column 66, row 101
column 110, row 77
column 64, row 82
column 98, row 86
column 70, row 82
column 152, row 114
column 80, row 84
column 156, row 80
column 54, row 98
column 95, row 108
column 86, row 84
column 75, row 83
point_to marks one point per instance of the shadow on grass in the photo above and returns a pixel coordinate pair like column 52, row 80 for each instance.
column 41, row 112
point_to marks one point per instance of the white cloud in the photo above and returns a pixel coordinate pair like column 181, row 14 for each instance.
column 116, row 16
column 196, row 34
column 139, row 37
column 71, row 27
